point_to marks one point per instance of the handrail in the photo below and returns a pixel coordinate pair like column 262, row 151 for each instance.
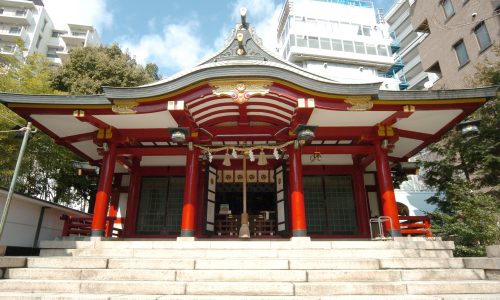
column 83, row 225
column 416, row 225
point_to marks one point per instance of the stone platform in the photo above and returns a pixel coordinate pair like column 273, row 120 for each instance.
column 250, row 269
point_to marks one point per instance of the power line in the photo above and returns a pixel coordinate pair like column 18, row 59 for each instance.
column 14, row 122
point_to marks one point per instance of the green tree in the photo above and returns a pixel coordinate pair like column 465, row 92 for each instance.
column 47, row 171
column 91, row 68
column 466, row 173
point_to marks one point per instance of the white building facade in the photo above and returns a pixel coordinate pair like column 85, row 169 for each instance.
column 30, row 22
column 341, row 40
column 398, row 18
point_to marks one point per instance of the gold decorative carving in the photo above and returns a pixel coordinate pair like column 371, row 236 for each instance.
column 240, row 90
column 124, row 107
column 359, row 103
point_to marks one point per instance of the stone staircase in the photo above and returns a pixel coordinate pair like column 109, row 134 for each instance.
column 408, row 268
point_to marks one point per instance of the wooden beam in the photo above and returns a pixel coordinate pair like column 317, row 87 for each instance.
column 146, row 151
column 338, row 149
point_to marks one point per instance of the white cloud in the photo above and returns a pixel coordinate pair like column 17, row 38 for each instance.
column 92, row 12
column 176, row 48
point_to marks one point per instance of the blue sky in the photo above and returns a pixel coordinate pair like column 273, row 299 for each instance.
column 173, row 34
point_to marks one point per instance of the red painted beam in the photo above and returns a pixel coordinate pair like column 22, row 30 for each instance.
column 93, row 121
column 151, row 151
column 365, row 162
column 80, row 137
column 398, row 159
column 338, row 149
column 415, row 135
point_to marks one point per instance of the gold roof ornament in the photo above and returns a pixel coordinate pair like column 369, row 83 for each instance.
column 240, row 90
column 124, row 106
column 359, row 103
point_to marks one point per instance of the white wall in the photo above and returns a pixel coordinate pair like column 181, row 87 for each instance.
column 416, row 202
column 22, row 220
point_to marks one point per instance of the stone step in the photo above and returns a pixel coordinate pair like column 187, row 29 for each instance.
column 251, row 288
column 68, row 296
column 247, row 245
column 244, row 263
column 242, row 253
column 247, row 275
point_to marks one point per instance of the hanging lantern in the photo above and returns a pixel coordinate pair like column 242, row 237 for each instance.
column 304, row 132
column 262, row 158
column 468, row 128
column 178, row 134
column 227, row 160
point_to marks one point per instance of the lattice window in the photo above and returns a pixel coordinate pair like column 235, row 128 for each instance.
column 160, row 205
column 330, row 205
column 340, row 205
column 314, row 200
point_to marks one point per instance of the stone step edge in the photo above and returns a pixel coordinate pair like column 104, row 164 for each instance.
column 43, row 296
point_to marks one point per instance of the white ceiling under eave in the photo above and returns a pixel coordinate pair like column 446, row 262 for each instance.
column 428, row 121
column 161, row 119
column 64, row 125
column 334, row 118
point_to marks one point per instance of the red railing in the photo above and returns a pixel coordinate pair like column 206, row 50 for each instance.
column 82, row 226
column 416, row 225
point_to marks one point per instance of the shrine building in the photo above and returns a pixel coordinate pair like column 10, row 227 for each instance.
column 309, row 155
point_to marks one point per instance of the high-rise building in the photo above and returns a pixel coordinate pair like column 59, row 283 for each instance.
column 341, row 40
column 398, row 18
column 443, row 40
column 30, row 22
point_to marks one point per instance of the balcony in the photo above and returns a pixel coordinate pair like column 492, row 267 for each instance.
column 75, row 38
column 63, row 54
column 7, row 50
column 11, row 34
column 16, row 17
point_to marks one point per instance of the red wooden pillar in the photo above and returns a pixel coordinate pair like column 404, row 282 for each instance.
column 104, row 192
column 190, row 189
column 297, row 192
column 389, row 206
column 361, row 203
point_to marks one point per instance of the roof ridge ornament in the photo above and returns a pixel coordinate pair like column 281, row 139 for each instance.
column 359, row 103
column 240, row 90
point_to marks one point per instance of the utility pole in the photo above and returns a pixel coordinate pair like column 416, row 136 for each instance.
column 27, row 135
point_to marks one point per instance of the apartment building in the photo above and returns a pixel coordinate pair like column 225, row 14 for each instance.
column 30, row 22
column 398, row 18
column 442, row 40
column 341, row 40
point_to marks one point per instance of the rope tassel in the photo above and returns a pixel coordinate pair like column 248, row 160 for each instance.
column 262, row 158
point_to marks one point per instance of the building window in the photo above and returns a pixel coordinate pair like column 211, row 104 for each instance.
column 325, row 44
column 56, row 34
column 15, row 30
column 323, row 25
column 301, row 41
column 448, row 8
column 462, row 55
column 356, row 29
column 382, row 50
column 482, row 36
column 360, row 47
column 348, row 47
column 51, row 52
column 1, row 11
column 335, row 26
column 38, row 41
column 367, row 31
column 20, row 13
column 370, row 49
column 292, row 40
column 337, row 45
column 313, row 42
column 44, row 25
